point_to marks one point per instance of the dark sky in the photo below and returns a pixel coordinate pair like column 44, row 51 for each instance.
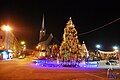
column 25, row 16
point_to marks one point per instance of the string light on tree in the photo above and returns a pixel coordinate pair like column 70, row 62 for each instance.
column 70, row 48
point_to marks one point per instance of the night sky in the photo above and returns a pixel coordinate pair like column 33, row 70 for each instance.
column 25, row 17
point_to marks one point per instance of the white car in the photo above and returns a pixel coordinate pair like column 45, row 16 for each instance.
column 10, row 55
column 111, row 62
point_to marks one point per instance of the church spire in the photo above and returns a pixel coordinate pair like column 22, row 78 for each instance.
column 43, row 26
column 43, row 30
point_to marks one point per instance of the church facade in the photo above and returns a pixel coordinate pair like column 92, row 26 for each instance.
column 44, row 38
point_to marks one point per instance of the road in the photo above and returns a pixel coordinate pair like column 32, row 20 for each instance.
column 24, row 69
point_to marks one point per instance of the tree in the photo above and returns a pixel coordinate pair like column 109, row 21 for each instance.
column 70, row 48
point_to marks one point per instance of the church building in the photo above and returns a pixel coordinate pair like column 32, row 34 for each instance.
column 44, row 38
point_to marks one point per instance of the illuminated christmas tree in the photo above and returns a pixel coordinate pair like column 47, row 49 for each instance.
column 70, row 48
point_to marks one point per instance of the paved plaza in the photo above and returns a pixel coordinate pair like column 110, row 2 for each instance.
column 24, row 69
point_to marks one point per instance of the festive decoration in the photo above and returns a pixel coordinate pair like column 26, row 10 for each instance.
column 71, row 48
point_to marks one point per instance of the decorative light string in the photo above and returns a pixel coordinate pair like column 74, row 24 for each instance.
column 99, row 27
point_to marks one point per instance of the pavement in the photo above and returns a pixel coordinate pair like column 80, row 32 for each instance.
column 24, row 69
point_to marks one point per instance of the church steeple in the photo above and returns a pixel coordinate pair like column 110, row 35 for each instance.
column 43, row 30
column 43, row 26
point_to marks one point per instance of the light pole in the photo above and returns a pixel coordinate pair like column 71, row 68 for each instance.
column 23, row 45
column 98, row 46
column 22, row 53
column 116, row 49
column 7, row 29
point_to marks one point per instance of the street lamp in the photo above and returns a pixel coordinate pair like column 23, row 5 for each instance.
column 98, row 46
column 7, row 30
column 23, row 45
column 22, row 42
column 115, row 47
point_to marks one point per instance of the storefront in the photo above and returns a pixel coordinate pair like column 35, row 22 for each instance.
column 4, row 55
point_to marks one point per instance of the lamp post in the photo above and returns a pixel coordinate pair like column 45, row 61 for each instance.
column 98, row 46
column 7, row 30
column 23, row 45
column 116, row 49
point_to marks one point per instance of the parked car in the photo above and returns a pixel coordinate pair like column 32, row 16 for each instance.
column 112, row 62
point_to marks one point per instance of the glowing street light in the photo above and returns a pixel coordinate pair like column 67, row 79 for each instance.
column 23, row 46
column 6, row 28
column 22, row 42
column 115, row 47
column 98, row 46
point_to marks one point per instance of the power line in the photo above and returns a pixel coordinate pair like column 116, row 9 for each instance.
column 100, row 27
